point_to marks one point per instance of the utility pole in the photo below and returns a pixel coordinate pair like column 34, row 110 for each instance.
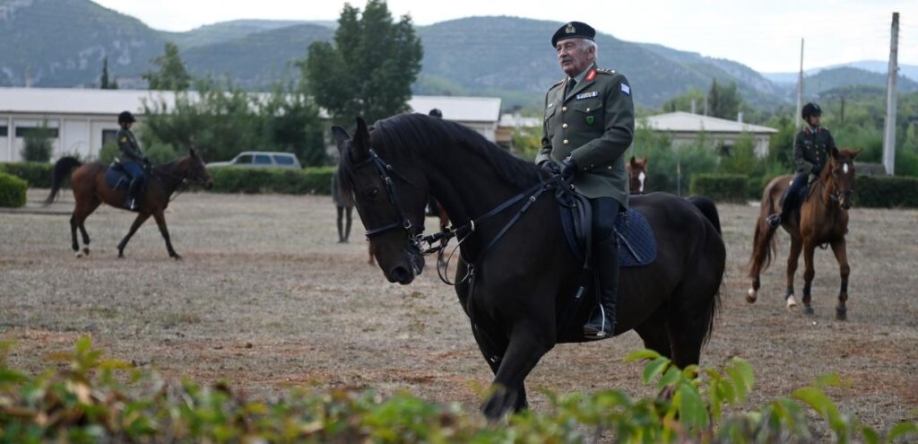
column 799, row 119
column 889, row 136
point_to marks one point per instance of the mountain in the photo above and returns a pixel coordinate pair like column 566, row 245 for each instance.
column 62, row 42
column 877, row 66
column 224, row 32
column 829, row 79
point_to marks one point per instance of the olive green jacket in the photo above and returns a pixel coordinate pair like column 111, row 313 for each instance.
column 812, row 148
column 130, row 152
column 594, row 124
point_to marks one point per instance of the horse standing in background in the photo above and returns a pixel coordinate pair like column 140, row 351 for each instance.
column 822, row 219
column 90, row 190
column 637, row 174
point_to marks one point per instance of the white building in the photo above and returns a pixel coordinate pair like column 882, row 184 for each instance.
column 684, row 128
column 81, row 121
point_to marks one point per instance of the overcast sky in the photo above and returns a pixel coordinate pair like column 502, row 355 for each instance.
column 764, row 35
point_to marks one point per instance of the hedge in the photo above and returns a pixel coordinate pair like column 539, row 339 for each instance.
column 82, row 397
column 886, row 192
column 36, row 174
column 258, row 180
column 12, row 191
column 720, row 187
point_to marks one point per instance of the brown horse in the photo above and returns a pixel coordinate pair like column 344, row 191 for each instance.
column 823, row 219
column 637, row 174
column 90, row 191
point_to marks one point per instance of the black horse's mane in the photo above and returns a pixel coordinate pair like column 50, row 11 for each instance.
column 410, row 135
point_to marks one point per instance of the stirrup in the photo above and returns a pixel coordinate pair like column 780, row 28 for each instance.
column 774, row 220
column 591, row 333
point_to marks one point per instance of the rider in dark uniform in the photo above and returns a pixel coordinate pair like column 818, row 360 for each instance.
column 811, row 151
column 132, row 160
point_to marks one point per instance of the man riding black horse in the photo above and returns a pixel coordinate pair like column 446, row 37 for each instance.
column 811, row 151
column 132, row 159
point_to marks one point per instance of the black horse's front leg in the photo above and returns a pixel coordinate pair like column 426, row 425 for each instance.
column 141, row 218
column 161, row 222
column 528, row 343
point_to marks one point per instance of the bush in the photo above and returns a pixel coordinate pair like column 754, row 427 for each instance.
column 108, row 153
column 12, row 191
column 886, row 191
column 720, row 187
column 38, row 146
column 283, row 181
column 84, row 398
column 161, row 153
column 36, row 175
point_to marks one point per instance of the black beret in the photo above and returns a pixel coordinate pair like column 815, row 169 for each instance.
column 573, row 30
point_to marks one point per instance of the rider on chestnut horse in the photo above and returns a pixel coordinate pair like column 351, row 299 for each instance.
column 811, row 151
column 132, row 160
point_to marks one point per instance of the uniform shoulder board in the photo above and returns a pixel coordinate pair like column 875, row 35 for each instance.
column 605, row 71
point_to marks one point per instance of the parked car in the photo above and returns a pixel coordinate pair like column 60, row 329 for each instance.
column 260, row 159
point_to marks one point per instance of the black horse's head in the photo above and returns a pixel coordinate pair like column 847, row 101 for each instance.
column 390, row 193
column 841, row 176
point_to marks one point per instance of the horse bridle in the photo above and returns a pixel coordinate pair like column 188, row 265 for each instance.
column 416, row 239
column 839, row 193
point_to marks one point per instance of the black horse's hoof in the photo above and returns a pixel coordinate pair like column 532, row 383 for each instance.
column 808, row 309
column 176, row 257
column 841, row 313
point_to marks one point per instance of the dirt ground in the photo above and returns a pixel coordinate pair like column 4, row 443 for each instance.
column 267, row 299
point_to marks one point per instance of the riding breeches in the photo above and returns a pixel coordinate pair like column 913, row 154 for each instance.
column 134, row 170
column 791, row 201
column 605, row 210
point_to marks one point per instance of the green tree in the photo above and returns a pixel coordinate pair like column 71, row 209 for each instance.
column 38, row 146
column 724, row 101
column 107, row 82
column 684, row 102
column 171, row 74
column 369, row 70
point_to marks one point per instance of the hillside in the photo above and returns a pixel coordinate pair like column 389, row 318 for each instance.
column 62, row 42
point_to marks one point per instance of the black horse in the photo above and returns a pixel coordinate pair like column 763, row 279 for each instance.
column 517, row 276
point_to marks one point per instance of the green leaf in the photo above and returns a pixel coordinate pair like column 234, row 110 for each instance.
column 870, row 435
column 902, row 429
column 669, row 378
column 654, row 368
column 640, row 355
column 692, row 409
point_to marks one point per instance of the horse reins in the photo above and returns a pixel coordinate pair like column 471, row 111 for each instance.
column 463, row 232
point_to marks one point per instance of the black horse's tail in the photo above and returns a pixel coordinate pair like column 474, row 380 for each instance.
column 708, row 208
column 63, row 167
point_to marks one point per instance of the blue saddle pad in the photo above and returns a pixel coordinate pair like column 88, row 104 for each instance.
column 637, row 244
column 116, row 178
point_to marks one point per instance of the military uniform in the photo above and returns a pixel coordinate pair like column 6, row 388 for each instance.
column 594, row 124
column 811, row 149
column 127, row 143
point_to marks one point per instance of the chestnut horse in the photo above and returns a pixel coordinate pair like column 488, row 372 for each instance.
column 822, row 219
column 637, row 174
column 90, row 191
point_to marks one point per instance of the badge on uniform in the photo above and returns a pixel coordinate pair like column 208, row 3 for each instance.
column 590, row 120
column 626, row 89
column 587, row 95
column 124, row 140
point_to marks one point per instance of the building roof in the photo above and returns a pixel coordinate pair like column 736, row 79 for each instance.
column 111, row 102
column 695, row 123
column 463, row 109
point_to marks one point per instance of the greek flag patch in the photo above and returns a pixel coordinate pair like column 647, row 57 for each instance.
column 626, row 89
column 587, row 95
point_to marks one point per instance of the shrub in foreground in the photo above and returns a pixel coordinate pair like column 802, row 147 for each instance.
column 85, row 398
column 12, row 191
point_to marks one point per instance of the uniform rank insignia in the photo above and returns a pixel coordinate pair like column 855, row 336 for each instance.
column 590, row 120
column 587, row 95
column 124, row 140
column 626, row 89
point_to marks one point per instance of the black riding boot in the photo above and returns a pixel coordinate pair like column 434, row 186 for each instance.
column 606, row 264
column 134, row 194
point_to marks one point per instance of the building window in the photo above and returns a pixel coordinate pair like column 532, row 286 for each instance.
column 4, row 131
column 23, row 132
column 109, row 136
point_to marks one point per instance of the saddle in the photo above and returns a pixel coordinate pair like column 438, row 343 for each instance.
column 116, row 178
column 637, row 243
column 800, row 199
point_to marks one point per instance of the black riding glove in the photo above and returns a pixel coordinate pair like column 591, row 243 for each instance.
column 550, row 167
column 568, row 168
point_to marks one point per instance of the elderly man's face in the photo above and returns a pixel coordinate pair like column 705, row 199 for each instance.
column 574, row 56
